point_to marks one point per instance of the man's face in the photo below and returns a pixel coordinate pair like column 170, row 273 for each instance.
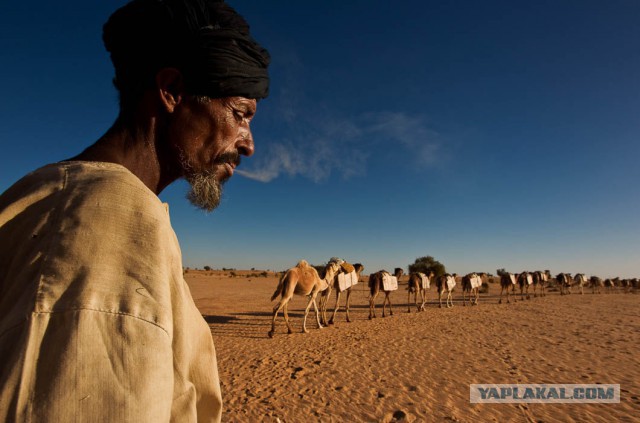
column 209, row 138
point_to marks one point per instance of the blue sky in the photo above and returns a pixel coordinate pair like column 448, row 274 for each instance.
column 488, row 134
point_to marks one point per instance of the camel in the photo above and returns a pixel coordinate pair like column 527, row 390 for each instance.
column 335, row 284
column 471, row 284
column 507, row 282
column 596, row 284
column 444, row 283
column 302, row 279
column 524, row 280
column 376, row 284
column 564, row 282
column 540, row 279
column 418, row 283
column 609, row 285
column 581, row 280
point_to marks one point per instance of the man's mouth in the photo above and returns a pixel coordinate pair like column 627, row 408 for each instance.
column 230, row 168
column 230, row 161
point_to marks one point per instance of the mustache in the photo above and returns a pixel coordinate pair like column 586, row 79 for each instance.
column 232, row 157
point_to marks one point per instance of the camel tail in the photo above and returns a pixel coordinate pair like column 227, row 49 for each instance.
column 279, row 288
column 373, row 281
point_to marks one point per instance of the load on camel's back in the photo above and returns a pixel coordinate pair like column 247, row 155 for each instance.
column 418, row 283
column 446, row 283
column 385, row 282
column 347, row 277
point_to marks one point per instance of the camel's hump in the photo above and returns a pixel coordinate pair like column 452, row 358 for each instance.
column 302, row 264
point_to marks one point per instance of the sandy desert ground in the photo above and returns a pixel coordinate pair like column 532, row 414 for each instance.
column 416, row 367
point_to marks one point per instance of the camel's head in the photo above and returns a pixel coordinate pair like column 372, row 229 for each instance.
column 331, row 270
column 398, row 272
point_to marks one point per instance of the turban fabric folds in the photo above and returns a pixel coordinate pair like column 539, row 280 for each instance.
column 207, row 40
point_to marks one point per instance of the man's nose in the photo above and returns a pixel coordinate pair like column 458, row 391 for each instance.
column 245, row 144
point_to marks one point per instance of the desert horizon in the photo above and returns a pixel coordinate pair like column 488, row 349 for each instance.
column 415, row 367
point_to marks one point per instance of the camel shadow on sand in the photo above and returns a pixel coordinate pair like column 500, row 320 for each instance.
column 253, row 324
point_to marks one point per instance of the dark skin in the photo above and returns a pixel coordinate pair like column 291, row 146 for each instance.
column 172, row 134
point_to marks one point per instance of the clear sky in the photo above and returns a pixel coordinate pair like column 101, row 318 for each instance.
column 487, row 134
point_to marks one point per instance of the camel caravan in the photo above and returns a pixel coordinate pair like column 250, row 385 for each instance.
column 340, row 277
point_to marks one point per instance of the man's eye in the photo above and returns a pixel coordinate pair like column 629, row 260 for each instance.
column 238, row 115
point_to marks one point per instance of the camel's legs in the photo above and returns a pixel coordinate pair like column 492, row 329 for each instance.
column 281, row 305
column 372, row 306
column 440, row 298
column 323, row 307
column 424, row 299
column 315, row 307
column 347, row 304
column 276, row 309
column 449, row 299
column 384, row 305
column 286, row 317
column 387, row 298
column 306, row 312
column 337, row 306
column 506, row 289
column 324, row 300
column 409, row 301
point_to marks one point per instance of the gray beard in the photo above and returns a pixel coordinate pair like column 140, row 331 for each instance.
column 205, row 192
column 206, row 188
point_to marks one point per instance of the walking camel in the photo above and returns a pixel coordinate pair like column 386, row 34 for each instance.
column 376, row 284
column 418, row 283
column 596, row 284
column 540, row 280
column 446, row 283
column 609, row 285
column 564, row 283
column 581, row 280
column 524, row 279
column 507, row 282
column 335, row 284
column 302, row 279
column 471, row 284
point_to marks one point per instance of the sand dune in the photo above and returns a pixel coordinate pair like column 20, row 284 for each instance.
column 417, row 366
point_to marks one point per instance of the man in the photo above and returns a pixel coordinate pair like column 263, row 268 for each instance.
column 96, row 321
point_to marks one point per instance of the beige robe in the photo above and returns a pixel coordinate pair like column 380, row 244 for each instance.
column 96, row 321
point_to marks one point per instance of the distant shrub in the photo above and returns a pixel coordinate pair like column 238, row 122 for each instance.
column 207, row 268
column 264, row 274
column 232, row 274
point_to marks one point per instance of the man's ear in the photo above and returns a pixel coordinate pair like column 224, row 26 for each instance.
column 170, row 86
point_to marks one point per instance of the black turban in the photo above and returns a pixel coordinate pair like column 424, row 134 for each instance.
column 206, row 40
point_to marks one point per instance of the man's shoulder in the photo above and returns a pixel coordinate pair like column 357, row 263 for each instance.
column 64, row 175
column 82, row 191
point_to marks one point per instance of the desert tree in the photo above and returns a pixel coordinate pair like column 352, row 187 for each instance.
column 427, row 265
